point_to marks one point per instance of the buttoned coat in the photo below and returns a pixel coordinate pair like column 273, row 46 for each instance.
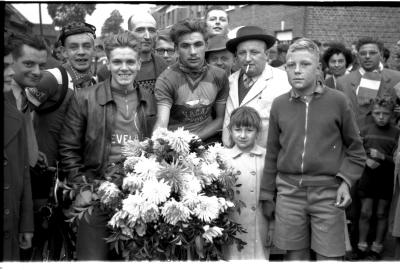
column 251, row 218
column 272, row 83
column 350, row 82
column 18, row 205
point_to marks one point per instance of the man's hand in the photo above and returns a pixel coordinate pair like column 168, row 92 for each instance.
column 25, row 240
column 268, row 208
column 42, row 161
column 343, row 198
column 376, row 154
column 372, row 163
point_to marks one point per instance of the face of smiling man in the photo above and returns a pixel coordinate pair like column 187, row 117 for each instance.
column 79, row 51
column 124, row 65
column 29, row 66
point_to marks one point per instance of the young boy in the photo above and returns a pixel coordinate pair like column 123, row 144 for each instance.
column 314, row 155
column 376, row 183
column 248, row 157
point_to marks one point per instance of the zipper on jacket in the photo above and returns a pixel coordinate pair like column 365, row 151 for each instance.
column 307, row 102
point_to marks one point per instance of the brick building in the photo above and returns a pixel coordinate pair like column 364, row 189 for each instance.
column 325, row 22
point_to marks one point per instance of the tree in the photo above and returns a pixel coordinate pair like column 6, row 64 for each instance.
column 112, row 24
column 63, row 14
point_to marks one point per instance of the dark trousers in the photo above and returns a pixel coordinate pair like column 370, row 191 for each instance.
column 90, row 243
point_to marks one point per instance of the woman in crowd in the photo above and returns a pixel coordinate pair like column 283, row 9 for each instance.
column 337, row 58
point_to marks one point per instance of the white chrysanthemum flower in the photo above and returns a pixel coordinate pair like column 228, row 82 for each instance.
column 193, row 159
column 156, row 191
column 224, row 204
column 132, row 182
column 213, row 152
column 132, row 205
column 147, row 168
column 191, row 200
column 179, row 141
column 161, row 133
column 207, row 209
column 132, row 148
column 129, row 163
column 190, row 184
column 109, row 192
column 174, row 211
column 211, row 169
column 211, row 232
column 149, row 212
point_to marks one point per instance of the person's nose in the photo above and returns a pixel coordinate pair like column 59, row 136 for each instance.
column 146, row 34
column 297, row 69
column 165, row 53
column 243, row 134
column 248, row 57
column 36, row 70
column 124, row 66
column 192, row 50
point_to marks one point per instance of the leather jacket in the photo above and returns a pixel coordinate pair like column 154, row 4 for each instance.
column 85, row 140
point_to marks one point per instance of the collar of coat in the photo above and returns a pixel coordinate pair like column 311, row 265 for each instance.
column 104, row 97
column 257, row 150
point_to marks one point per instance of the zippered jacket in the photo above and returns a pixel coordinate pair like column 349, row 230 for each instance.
column 312, row 142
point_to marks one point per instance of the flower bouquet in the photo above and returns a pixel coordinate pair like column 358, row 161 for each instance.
column 168, row 199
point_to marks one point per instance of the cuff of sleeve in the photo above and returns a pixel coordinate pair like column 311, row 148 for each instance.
column 165, row 104
column 345, row 179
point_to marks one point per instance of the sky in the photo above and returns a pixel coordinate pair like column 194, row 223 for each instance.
column 101, row 13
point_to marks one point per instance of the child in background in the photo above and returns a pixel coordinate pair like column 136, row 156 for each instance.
column 248, row 157
column 376, row 183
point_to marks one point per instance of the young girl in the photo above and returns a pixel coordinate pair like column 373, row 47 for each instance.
column 247, row 157
column 376, row 184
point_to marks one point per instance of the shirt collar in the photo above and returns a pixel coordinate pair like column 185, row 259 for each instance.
column 378, row 70
column 318, row 90
column 257, row 150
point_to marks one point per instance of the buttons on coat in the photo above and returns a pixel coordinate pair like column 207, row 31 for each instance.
column 6, row 186
column 5, row 162
column 253, row 173
column 253, row 208
column 6, row 211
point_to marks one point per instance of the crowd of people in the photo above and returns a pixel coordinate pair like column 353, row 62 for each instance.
column 312, row 128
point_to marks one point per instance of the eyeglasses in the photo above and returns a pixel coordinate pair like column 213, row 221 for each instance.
column 162, row 51
column 365, row 53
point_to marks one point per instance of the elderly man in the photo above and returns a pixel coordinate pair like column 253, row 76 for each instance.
column 144, row 27
column 99, row 121
column 217, row 54
column 256, row 84
column 371, row 80
column 187, row 92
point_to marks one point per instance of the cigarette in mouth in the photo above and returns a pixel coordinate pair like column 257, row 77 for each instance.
column 247, row 69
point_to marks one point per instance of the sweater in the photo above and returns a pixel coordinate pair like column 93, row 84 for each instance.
column 312, row 142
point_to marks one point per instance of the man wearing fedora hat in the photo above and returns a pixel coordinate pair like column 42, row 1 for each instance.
column 256, row 83
column 217, row 54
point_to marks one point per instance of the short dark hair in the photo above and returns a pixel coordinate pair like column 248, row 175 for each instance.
column 245, row 116
column 18, row 40
column 163, row 37
column 188, row 26
column 8, row 47
column 337, row 48
column 121, row 40
column 211, row 8
column 369, row 40
column 385, row 101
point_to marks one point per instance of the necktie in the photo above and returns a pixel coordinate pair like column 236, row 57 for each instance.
column 247, row 81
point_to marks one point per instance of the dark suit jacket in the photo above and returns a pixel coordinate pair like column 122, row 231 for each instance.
column 18, row 205
column 349, row 83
